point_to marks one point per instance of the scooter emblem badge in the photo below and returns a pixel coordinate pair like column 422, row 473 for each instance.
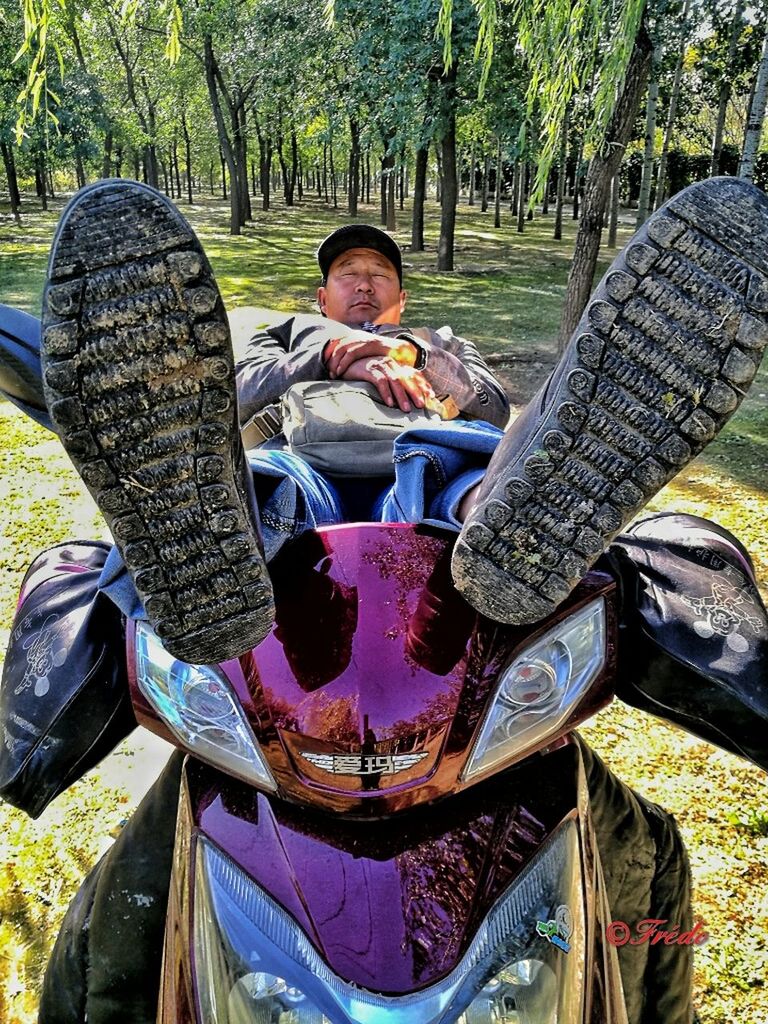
column 364, row 764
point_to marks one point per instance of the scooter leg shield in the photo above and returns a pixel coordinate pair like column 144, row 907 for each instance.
column 694, row 640
column 106, row 963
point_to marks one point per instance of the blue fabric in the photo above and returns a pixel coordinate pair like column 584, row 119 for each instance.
column 20, row 361
column 434, row 469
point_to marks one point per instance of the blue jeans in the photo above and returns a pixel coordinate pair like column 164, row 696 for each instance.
column 434, row 469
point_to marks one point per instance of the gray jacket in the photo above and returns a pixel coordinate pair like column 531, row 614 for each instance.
column 272, row 354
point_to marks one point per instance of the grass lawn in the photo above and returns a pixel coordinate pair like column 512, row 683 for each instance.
column 506, row 295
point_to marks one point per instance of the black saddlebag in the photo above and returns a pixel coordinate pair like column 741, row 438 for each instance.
column 694, row 642
column 64, row 701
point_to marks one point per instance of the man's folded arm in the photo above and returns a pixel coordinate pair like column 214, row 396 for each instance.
column 455, row 367
column 269, row 358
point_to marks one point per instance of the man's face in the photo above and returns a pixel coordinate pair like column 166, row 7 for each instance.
column 362, row 285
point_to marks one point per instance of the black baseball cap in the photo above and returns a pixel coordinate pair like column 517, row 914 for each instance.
column 358, row 236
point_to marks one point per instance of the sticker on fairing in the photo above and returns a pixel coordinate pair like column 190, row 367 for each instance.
column 559, row 929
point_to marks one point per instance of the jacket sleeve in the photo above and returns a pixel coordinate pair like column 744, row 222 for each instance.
column 456, row 368
column 271, row 356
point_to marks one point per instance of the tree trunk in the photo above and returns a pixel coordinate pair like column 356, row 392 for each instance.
column 288, row 179
column 211, row 69
column 674, row 96
column 445, row 248
column 13, row 182
column 561, row 171
column 515, row 189
column 151, row 168
column 176, row 171
column 79, row 170
column 484, row 187
column 725, row 89
column 472, row 175
column 106, row 162
column 368, row 176
column 239, row 135
column 354, row 166
column 756, row 116
column 439, row 181
column 613, row 224
column 419, row 192
column 223, row 177
column 387, row 172
column 265, row 172
column 187, row 155
column 602, row 169
column 333, row 175
column 295, row 162
column 391, row 195
column 401, row 182
column 146, row 118
column 497, row 190
column 646, row 181
column 577, row 157
column 522, row 198
column 41, row 187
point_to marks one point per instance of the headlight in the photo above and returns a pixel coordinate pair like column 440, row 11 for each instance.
column 538, row 691
column 254, row 964
column 199, row 706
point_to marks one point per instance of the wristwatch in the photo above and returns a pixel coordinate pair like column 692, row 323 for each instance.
column 422, row 354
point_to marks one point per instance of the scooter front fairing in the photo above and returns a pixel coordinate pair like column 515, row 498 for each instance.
column 484, row 909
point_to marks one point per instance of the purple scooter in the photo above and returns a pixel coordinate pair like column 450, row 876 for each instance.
column 383, row 816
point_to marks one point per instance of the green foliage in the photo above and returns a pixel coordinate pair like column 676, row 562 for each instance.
column 568, row 45
column 753, row 821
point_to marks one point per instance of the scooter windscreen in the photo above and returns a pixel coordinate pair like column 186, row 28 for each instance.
column 379, row 687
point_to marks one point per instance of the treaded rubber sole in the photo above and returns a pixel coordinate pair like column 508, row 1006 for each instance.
column 139, row 378
column 660, row 360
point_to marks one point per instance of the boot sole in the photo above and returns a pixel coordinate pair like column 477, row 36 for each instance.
column 659, row 362
column 139, row 379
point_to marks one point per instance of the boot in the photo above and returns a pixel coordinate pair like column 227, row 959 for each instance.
column 659, row 362
column 139, row 378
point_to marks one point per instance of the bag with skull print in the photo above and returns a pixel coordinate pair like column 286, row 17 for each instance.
column 64, row 702
column 693, row 646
